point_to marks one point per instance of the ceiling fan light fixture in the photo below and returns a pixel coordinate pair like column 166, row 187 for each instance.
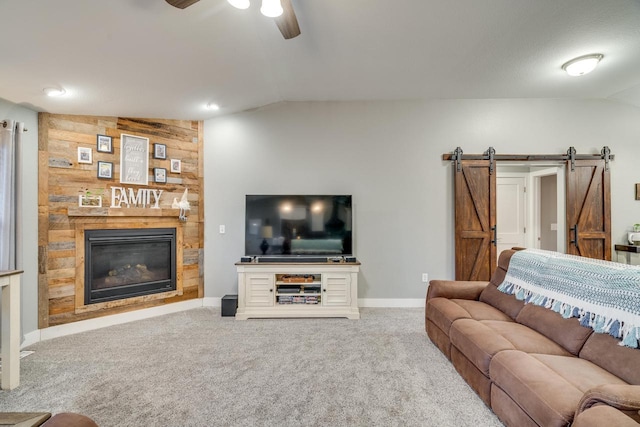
column 582, row 65
column 271, row 8
column 239, row 4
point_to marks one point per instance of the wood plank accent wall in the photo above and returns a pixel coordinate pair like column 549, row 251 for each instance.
column 60, row 181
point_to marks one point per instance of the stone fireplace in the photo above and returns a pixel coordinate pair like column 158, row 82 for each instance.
column 127, row 263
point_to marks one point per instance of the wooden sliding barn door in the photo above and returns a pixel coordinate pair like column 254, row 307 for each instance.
column 475, row 219
column 588, row 199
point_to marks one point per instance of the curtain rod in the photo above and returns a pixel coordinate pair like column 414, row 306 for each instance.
column 4, row 125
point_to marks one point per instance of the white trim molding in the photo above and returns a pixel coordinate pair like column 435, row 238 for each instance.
column 102, row 322
column 391, row 302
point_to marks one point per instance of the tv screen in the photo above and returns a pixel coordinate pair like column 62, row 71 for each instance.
column 283, row 225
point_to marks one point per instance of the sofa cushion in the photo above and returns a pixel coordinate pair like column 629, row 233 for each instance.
column 506, row 303
column 604, row 351
column 547, row 387
column 443, row 312
column 479, row 341
column 566, row 332
column 526, row 339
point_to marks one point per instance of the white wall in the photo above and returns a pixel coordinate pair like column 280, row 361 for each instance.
column 388, row 156
column 29, row 238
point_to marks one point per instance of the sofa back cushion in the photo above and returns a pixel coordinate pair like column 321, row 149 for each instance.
column 508, row 304
column 566, row 332
column 604, row 351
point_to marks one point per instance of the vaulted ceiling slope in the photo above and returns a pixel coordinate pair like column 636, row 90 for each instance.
column 145, row 58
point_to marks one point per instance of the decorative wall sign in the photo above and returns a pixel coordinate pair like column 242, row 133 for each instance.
column 139, row 198
column 134, row 160
column 176, row 166
column 84, row 155
column 159, row 151
column 105, row 144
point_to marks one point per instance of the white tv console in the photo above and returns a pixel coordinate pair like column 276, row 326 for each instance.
column 297, row 289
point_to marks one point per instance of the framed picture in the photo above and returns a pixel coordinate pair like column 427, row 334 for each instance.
column 105, row 144
column 637, row 191
column 134, row 159
column 84, row 155
column 105, row 170
column 176, row 166
column 159, row 151
column 85, row 201
column 159, row 174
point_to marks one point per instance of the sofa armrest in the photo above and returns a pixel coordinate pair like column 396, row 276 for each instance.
column 620, row 396
column 458, row 289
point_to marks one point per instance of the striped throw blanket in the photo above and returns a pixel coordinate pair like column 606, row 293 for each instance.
column 604, row 295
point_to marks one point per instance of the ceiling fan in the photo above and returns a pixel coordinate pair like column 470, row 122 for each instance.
column 286, row 21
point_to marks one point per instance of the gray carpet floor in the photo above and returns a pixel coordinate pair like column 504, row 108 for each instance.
column 196, row 368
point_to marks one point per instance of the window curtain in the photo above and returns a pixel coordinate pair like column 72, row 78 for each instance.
column 10, row 136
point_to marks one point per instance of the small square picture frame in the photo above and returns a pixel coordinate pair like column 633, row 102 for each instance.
column 104, row 144
column 159, row 151
column 176, row 166
column 85, row 155
column 105, row 170
column 160, row 175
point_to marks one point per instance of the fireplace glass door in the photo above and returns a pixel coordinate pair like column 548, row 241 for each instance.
column 126, row 263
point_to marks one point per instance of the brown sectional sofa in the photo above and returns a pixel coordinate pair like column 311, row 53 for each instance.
column 531, row 366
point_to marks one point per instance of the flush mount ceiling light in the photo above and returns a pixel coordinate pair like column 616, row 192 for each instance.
column 54, row 91
column 212, row 106
column 582, row 65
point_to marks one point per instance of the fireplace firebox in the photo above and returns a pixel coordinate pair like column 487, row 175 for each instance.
column 126, row 263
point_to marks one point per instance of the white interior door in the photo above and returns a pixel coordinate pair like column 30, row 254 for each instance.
column 511, row 211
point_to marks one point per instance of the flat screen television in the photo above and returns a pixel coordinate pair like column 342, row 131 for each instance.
column 298, row 225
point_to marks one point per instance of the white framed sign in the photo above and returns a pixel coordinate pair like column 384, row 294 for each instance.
column 134, row 159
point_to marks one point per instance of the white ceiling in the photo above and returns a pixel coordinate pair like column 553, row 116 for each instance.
column 145, row 58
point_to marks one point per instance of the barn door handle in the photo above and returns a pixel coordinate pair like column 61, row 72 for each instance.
column 575, row 235
column 495, row 235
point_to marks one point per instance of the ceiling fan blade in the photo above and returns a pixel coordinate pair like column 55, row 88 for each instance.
column 182, row 4
column 287, row 22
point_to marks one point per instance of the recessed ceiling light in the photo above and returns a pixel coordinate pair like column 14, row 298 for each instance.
column 54, row 91
column 240, row 4
column 582, row 65
column 212, row 106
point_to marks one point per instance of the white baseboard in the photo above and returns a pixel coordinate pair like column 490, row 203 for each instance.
column 391, row 302
column 31, row 338
column 102, row 322
column 212, row 302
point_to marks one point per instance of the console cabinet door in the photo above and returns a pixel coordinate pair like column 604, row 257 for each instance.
column 259, row 290
column 336, row 289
